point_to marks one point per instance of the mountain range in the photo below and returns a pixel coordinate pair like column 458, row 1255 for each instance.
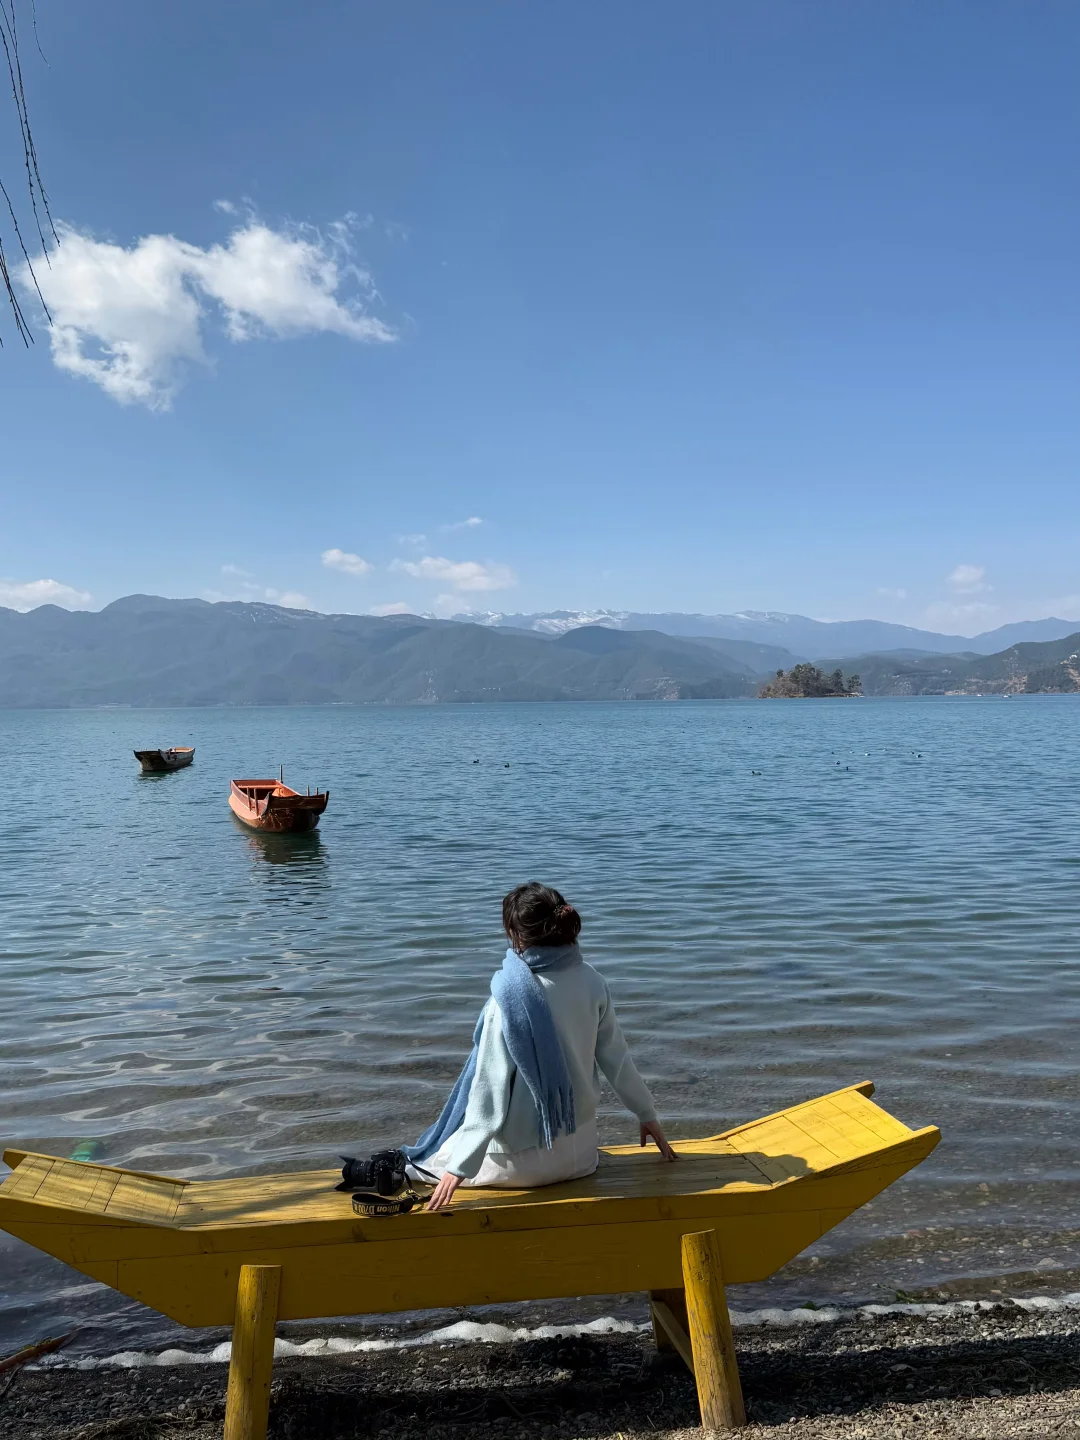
column 805, row 638
column 144, row 650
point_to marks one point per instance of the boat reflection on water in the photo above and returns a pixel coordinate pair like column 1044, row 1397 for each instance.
column 285, row 849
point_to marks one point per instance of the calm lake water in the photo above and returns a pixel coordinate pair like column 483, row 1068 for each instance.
column 895, row 896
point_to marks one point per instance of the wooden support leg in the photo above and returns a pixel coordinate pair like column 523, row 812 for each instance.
column 247, row 1406
column 671, row 1329
column 715, row 1367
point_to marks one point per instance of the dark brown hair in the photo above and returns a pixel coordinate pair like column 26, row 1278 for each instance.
column 535, row 914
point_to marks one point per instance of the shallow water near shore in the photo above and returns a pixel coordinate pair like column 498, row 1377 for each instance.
column 895, row 896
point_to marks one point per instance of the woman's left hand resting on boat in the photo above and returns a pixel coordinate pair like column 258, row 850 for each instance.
column 444, row 1192
column 650, row 1130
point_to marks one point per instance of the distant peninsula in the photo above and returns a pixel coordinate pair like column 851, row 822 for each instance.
column 807, row 682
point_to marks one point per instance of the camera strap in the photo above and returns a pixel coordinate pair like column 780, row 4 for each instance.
column 370, row 1204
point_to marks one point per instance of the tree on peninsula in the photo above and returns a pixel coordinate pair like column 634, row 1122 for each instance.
column 807, row 682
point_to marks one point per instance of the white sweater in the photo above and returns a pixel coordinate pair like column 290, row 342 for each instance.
column 501, row 1115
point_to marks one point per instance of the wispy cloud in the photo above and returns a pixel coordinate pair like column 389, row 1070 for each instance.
column 29, row 594
column 968, row 580
column 461, row 575
column 342, row 560
column 133, row 318
column 395, row 607
column 471, row 523
column 418, row 541
column 248, row 589
column 253, row 594
column 895, row 594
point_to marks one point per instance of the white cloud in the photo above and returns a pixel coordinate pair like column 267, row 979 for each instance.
column 396, row 607
column 416, row 542
column 132, row 319
column 460, row 574
column 470, row 524
column 887, row 594
column 344, row 561
column 236, row 570
column 29, row 594
column 968, row 580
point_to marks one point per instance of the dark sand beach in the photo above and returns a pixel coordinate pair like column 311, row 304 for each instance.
column 980, row 1374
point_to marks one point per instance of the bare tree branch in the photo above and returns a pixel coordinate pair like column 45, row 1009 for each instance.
column 39, row 199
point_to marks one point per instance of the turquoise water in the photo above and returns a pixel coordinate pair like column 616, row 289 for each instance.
column 896, row 895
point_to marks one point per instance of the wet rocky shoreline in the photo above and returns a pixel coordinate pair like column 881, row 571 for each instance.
column 981, row 1374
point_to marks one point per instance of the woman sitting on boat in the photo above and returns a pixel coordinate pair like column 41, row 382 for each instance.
column 523, row 1111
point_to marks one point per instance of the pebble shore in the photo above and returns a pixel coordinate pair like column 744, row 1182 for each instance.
column 1003, row 1373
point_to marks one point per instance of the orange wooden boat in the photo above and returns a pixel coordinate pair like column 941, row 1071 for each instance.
column 271, row 805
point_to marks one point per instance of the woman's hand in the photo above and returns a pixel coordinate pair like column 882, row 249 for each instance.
column 444, row 1191
column 651, row 1130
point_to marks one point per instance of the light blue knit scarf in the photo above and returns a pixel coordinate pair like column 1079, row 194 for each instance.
column 534, row 1046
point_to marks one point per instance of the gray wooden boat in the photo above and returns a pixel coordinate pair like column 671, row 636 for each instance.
column 156, row 761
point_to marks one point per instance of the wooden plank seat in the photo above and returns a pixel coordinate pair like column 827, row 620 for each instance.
column 253, row 1250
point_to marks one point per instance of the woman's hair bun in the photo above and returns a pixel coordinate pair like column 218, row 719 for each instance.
column 535, row 914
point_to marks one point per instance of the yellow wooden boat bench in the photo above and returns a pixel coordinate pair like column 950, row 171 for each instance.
column 252, row 1251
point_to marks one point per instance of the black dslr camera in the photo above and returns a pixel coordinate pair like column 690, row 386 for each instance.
column 382, row 1173
column 381, row 1184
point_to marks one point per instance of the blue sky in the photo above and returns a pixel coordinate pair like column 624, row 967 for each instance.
column 699, row 307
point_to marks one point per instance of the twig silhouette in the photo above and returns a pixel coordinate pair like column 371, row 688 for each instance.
column 39, row 199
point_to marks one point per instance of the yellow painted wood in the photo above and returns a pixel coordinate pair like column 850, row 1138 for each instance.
column 786, row 1143
column 769, row 1188
column 716, row 1370
column 71, row 1184
column 625, row 1174
column 856, row 1128
column 487, row 1267
column 28, row 1179
column 247, row 1403
column 753, row 1226
column 879, row 1121
column 138, row 1198
column 480, row 1269
column 766, row 1223
column 16, row 1157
